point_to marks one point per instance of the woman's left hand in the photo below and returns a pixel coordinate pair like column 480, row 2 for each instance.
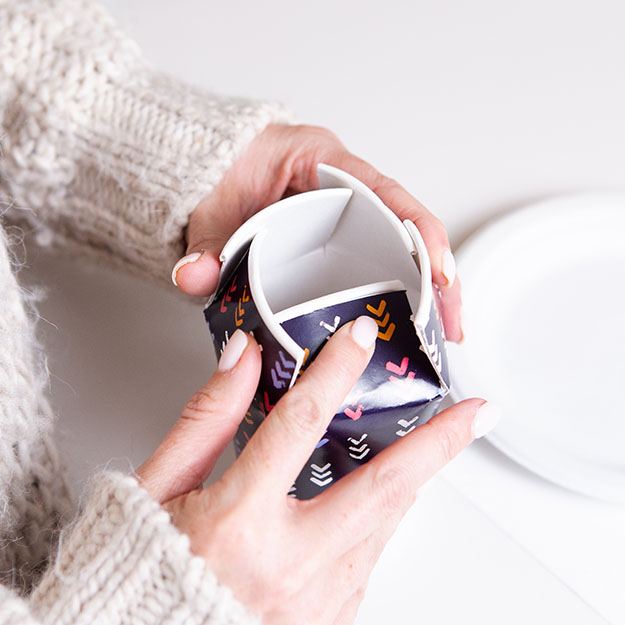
column 282, row 160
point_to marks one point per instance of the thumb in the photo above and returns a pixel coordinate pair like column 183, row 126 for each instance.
column 208, row 423
column 212, row 223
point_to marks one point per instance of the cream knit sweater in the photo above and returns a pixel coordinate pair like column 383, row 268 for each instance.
column 102, row 157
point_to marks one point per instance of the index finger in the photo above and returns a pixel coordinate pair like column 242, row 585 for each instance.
column 285, row 440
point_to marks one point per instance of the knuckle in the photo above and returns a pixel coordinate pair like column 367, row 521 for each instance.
column 300, row 412
column 345, row 362
column 427, row 223
column 448, row 442
column 359, row 594
column 393, row 486
column 232, row 531
column 319, row 131
column 284, row 587
column 385, row 184
column 204, row 401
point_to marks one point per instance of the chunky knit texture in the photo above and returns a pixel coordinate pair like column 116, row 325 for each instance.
column 104, row 157
column 33, row 495
column 124, row 563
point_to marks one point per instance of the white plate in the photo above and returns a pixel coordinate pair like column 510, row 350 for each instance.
column 544, row 321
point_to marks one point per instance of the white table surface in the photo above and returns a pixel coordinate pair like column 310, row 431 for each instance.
column 476, row 108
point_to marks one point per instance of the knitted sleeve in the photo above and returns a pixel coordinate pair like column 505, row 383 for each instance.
column 101, row 154
column 123, row 562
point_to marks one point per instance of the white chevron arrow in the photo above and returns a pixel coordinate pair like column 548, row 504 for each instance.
column 360, row 456
column 435, row 353
column 224, row 342
column 321, row 476
column 359, row 449
column 404, row 432
column 331, row 328
column 406, row 424
column 356, row 442
column 314, row 480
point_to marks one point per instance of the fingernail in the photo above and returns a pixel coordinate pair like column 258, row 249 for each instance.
column 448, row 267
column 485, row 420
column 232, row 351
column 364, row 331
column 185, row 260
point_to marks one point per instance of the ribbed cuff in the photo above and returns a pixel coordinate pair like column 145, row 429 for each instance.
column 124, row 562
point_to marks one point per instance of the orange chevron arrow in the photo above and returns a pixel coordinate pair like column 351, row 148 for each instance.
column 379, row 310
column 238, row 313
column 384, row 321
column 386, row 336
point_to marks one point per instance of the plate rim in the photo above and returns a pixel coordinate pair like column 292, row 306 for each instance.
column 551, row 203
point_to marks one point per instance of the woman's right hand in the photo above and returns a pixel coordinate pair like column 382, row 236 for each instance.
column 292, row 561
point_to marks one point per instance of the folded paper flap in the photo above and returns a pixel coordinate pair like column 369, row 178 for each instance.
column 432, row 338
column 326, row 205
column 427, row 320
column 237, row 307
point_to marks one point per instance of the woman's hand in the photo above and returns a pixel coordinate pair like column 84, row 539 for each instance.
column 295, row 561
column 283, row 160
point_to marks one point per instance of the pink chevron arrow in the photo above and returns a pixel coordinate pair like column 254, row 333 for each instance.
column 398, row 369
column 227, row 298
column 353, row 414
column 267, row 404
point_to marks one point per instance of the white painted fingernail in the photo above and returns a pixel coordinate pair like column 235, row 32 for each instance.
column 485, row 420
column 185, row 260
column 232, row 351
column 448, row 267
column 364, row 331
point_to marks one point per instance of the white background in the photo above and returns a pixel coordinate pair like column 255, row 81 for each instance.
column 476, row 108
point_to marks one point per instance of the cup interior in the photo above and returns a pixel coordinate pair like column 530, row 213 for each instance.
column 330, row 246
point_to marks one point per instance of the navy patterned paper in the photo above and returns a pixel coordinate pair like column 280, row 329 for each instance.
column 399, row 390
column 434, row 342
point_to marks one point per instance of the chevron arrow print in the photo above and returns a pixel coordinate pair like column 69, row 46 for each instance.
column 292, row 491
column 227, row 298
column 359, row 449
column 237, row 446
column 406, row 426
column 280, row 374
column 267, row 405
column 331, row 328
column 400, row 370
column 245, row 298
column 431, row 348
column 321, row 476
column 322, row 442
column 239, row 312
column 353, row 414
column 387, row 329
column 224, row 342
